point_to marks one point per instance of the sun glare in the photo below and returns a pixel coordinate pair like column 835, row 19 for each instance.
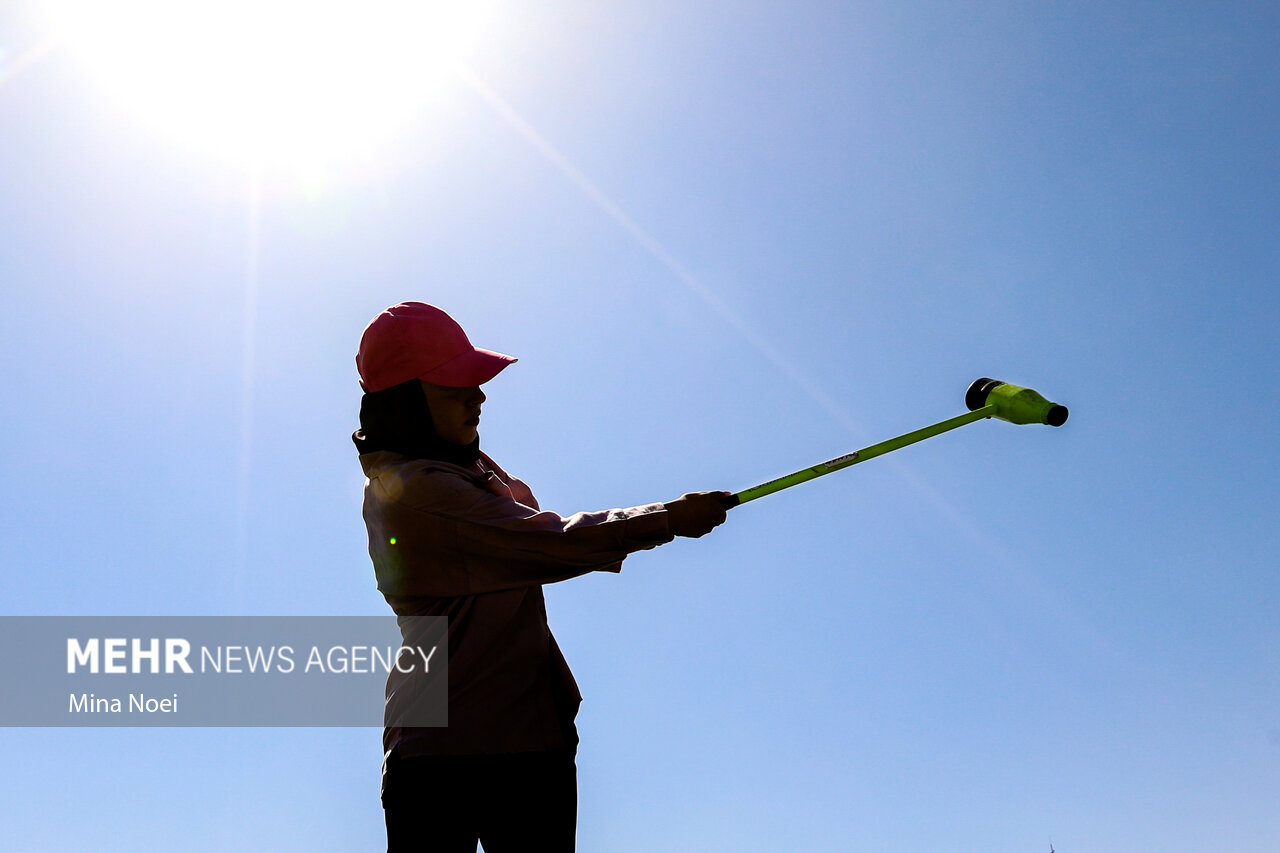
column 298, row 82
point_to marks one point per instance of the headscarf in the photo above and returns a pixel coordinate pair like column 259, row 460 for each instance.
column 399, row 419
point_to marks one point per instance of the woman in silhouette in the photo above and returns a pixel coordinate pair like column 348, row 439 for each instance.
column 453, row 535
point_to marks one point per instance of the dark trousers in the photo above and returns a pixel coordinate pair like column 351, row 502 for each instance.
column 525, row 801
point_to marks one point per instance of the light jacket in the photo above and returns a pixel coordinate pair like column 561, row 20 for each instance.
column 472, row 545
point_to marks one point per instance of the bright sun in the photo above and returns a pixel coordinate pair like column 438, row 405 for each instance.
column 283, row 81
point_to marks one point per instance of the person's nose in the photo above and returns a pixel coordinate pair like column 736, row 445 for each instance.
column 477, row 396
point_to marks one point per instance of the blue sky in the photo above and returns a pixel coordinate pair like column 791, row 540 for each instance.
column 726, row 242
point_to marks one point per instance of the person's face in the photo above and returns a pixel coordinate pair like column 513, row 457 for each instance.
column 454, row 411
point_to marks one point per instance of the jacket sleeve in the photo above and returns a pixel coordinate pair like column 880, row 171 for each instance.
column 453, row 538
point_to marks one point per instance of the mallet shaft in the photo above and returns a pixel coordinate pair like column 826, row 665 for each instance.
column 854, row 458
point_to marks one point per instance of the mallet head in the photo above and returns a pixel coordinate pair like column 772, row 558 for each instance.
column 1014, row 404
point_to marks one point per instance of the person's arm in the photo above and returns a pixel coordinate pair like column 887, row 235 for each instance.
column 456, row 539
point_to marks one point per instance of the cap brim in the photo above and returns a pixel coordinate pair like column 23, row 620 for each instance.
column 471, row 368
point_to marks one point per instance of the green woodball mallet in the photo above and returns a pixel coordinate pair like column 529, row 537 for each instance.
column 986, row 398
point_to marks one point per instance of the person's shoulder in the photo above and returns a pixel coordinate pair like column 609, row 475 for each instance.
column 424, row 484
column 520, row 490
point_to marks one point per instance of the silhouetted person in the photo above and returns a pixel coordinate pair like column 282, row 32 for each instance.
column 451, row 534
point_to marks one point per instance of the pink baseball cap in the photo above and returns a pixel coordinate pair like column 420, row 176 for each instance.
column 414, row 340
